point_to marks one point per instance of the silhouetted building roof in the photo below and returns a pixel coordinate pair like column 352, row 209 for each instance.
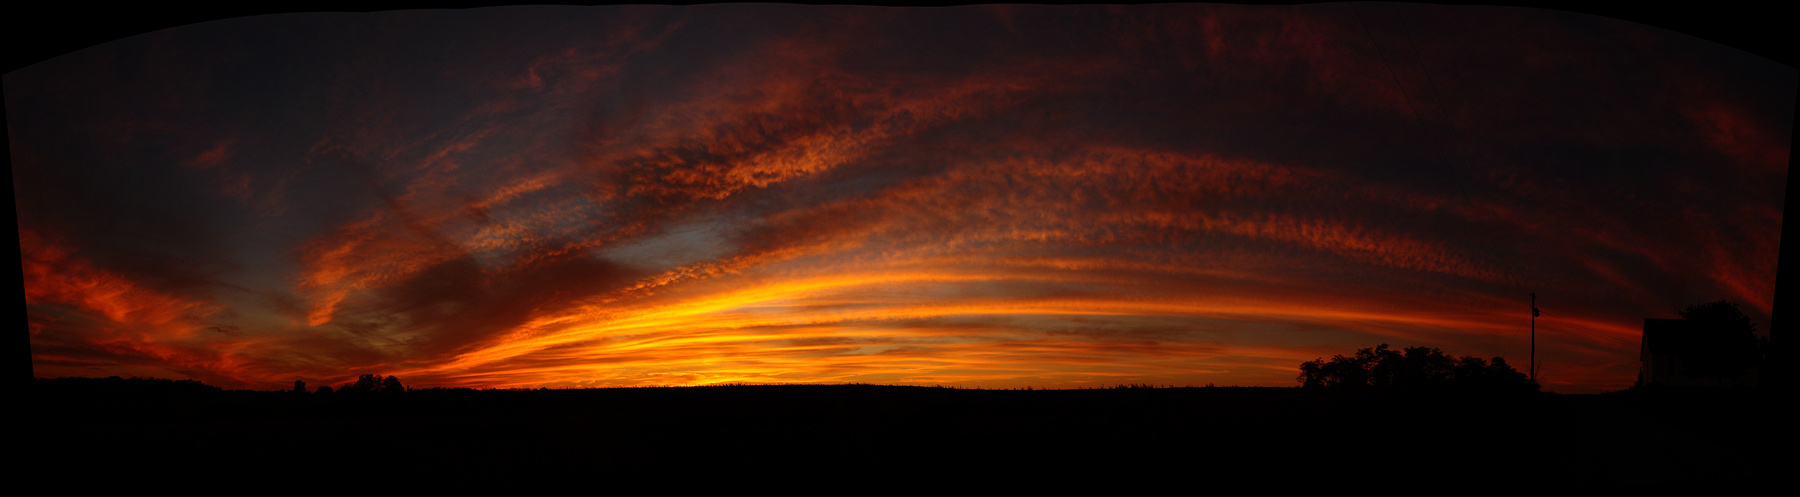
column 1662, row 336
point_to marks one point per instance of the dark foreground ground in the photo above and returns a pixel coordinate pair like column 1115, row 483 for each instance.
column 1402, row 441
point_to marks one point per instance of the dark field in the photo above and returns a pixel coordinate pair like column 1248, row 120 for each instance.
column 1284, row 437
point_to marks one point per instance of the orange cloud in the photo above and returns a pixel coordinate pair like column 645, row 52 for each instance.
column 53, row 275
column 86, row 320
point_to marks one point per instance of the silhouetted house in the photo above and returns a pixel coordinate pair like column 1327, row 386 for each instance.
column 1661, row 356
column 1659, row 353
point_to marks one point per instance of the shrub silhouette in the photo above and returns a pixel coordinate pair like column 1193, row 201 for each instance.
column 1381, row 366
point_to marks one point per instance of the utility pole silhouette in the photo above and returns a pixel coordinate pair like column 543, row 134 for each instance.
column 1534, row 316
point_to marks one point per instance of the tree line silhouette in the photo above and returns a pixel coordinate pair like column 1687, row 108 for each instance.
column 116, row 387
column 1719, row 342
column 366, row 385
column 1381, row 366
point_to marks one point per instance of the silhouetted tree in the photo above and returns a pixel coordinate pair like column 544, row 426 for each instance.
column 1340, row 371
column 372, row 384
column 324, row 390
column 1413, row 367
column 1474, row 372
column 367, row 383
column 299, row 386
column 1723, row 344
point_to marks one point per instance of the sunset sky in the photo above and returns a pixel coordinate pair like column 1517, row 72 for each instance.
column 997, row 197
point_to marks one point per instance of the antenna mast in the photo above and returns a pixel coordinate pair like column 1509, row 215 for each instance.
column 1534, row 315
